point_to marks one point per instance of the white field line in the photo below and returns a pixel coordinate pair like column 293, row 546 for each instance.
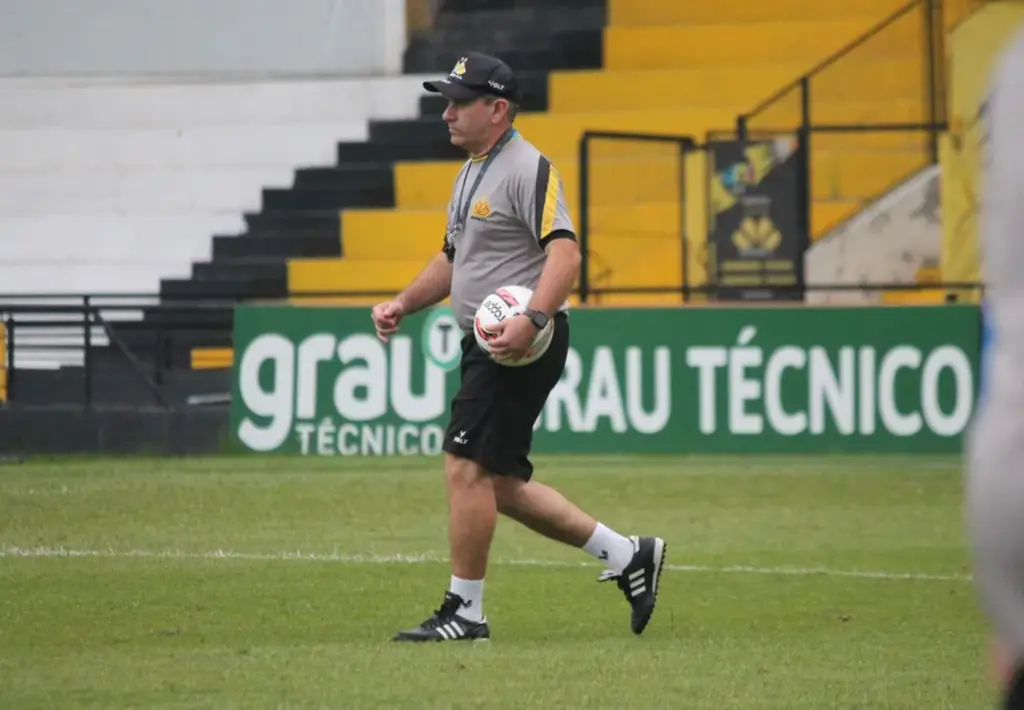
column 431, row 557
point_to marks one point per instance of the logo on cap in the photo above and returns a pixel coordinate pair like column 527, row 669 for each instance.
column 460, row 68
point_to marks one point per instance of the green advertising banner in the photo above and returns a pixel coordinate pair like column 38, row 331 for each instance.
column 317, row 381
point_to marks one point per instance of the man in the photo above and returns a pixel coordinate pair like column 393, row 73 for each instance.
column 507, row 224
column 995, row 443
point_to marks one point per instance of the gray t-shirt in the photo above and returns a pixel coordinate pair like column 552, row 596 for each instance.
column 994, row 447
column 1001, row 226
column 517, row 209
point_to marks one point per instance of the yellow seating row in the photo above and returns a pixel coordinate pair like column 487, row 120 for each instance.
column 680, row 68
column 637, row 13
column 211, row 358
column 633, row 245
column 735, row 88
column 640, row 13
column 559, row 133
column 629, row 180
column 747, row 44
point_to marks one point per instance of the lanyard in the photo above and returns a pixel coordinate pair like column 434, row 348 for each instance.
column 462, row 208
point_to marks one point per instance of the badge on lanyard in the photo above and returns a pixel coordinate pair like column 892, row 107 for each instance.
column 460, row 210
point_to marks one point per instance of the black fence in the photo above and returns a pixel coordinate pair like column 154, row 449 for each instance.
column 634, row 164
column 762, row 213
column 96, row 360
column 66, row 348
column 905, row 55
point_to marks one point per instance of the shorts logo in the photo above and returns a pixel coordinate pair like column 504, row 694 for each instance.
column 481, row 209
column 461, row 438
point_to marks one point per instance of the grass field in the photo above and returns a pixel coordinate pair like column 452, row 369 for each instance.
column 795, row 583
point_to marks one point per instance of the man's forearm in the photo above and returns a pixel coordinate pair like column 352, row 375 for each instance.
column 556, row 280
column 431, row 286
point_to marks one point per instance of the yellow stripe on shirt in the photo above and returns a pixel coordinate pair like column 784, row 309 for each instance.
column 547, row 222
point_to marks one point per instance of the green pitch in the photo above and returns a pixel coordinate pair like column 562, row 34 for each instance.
column 800, row 582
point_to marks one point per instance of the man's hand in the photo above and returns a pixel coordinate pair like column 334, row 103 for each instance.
column 386, row 317
column 515, row 336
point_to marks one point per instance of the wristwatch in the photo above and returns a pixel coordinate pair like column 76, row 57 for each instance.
column 538, row 318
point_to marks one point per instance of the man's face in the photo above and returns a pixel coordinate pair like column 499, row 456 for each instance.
column 469, row 122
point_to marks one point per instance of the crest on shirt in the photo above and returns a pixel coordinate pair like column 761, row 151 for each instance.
column 481, row 209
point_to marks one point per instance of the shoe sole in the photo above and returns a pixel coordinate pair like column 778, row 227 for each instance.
column 660, row 549
column 437, row 639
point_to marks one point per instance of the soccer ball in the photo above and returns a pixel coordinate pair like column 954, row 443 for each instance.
column 506, row 302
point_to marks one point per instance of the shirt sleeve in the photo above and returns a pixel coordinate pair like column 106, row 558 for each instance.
column 540, row 202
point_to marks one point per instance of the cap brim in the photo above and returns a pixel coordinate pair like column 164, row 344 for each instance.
column 450, row 90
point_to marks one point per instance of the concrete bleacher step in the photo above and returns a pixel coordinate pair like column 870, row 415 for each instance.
column 639, row 13
column 344, row 176
column 227, row 289
column 183, row 317
column 226, row 105
column 47, row 348
column 117, row 385
column 140, row 337
column 426, row 130
column 731, row 86
column 318, row 222
column 706, row 46
column 357, row 275
column 281, row 246
column 136, row 190
column 316, row 198
column 455, row 10
column 53, row 338
column 239, row 268
column 169, row 146
column 408, row 149
column 175, row 351
column 554, row 40
column 433, row 105
column 569, row 50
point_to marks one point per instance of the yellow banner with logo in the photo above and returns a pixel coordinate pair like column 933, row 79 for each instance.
column 973, row 46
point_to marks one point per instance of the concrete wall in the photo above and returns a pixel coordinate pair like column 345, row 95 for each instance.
column 341, row 37
column 112, row 186
column 885, row 243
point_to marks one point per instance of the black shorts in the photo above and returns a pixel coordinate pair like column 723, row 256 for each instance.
column 493, row 413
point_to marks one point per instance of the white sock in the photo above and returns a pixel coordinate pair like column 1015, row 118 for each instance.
column 472, row 593
column 611, row 548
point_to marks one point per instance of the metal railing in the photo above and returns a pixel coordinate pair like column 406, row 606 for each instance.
column 923, row 17
column 51, row 331
column 909, row 45
column 85, row 315
column 674, row 159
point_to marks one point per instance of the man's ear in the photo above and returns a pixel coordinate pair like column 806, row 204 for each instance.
column 501, row 108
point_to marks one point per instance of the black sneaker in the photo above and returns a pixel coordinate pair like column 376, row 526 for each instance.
column 447, row 625
column 639, row 581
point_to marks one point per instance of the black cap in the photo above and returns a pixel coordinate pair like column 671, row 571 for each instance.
column 476, row 75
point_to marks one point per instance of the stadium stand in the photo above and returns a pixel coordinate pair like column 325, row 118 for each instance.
column 280, row 189
column 657, row 66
